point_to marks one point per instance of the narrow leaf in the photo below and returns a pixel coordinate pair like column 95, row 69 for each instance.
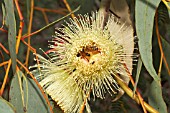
column 139, row 67
column 4, row 15
column 145, row 11
column 10, row 19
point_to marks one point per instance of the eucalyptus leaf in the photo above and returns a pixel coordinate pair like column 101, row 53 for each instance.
column 16, row 93
column 4, row 14
column 10, row 19
column 139, row 67
column 26, row 96
column 6, row 107
column 155, row 98
column 145, row 12
column 36, row 101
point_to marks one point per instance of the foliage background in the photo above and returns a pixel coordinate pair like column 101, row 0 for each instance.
column 22, row 92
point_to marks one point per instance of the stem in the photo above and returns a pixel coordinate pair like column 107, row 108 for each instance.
column 69, row 9
column 138, row 94
column 20, row 26
column 129, row 92
column 29, row 31
column 52, row 23
column 160, row 44
column 5, row 78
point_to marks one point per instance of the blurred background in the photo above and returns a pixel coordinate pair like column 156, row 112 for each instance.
column 47, row 11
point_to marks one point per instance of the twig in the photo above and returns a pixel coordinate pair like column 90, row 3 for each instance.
column 52, row 23
column 160, row 44
column 59, row 11
column 5, row 78
column 45, row 17
column 32, row 49
column 166, row 3
column 20, row 26
column 129, row 92
column 69, row 9
column 29, row 31
column 6, row 51
column 4, row 63
column 1, row 29
column 85, row 101
column 133, row 83
column 160, row 66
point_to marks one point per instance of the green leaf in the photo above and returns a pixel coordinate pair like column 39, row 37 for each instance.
column 4, row 14
column 139, row 67
column 145, row 11
column 10, row 19
column 26, row 96
column 16, row 93
column 36, row 101
column 6, row 107
column 155, row 97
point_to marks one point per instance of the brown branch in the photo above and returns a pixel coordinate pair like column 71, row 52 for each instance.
column 5, row 78
column 160, row 44
column 1, row 29
column 69, row 9
column 6, row 51
column 20, row 26
column 58, row 11
column 138, row 94
column 129, row 92
column 29, row 31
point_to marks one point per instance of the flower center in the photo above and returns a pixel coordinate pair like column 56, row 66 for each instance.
column 90, row 56
column 88, row 53
column 90, row 59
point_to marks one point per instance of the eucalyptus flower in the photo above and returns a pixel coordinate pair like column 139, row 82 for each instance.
column 83, row 58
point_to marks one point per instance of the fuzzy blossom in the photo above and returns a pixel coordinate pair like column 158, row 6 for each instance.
column 84, row 58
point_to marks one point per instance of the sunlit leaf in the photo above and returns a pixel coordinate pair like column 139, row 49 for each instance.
column 145, row 11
